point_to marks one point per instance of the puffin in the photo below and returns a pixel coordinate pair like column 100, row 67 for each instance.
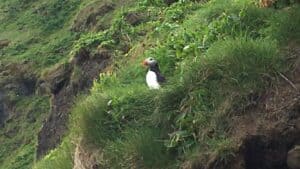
column 153, row 77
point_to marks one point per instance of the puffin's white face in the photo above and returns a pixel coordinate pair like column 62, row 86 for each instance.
column 149, row 62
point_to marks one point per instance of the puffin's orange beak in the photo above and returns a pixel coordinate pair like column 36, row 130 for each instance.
column 145, row 63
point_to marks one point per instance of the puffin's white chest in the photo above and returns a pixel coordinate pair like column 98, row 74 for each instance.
column 151, row 79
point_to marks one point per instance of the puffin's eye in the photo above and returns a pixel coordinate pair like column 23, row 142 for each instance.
column 151, row 59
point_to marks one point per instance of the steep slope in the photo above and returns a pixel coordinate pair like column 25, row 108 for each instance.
column 38, row 80
column 225, row 61
column 38, row 36
column 222, row 59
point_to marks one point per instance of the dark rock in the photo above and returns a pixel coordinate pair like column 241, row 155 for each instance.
column 4, row 43
column 87, row 17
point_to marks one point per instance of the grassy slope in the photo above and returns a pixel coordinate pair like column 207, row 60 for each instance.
column 39, row 35
column 215, row 55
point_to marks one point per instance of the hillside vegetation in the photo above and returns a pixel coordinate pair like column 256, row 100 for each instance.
column 220, row 58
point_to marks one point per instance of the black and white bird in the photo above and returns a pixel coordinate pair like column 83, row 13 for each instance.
column 153, row 76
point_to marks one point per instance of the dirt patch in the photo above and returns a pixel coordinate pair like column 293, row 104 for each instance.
column 65, row 84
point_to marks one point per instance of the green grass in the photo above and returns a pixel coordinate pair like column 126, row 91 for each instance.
column 114, row 116
column 214, row 54
column 61, row 158
column 213, row 80
column 284, row 25
column 18, row 151
column 140, row 148
column 38, row 32
column 40, row 36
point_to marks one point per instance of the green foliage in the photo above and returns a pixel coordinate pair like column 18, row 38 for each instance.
column 23, row 159
column 152, row 3
column 56, row 13
column 285, row 25
column 39, row 35
column 214, row 55
column 141, row 148
column 49, row 15
column 197, row 109
column 219, row 57
column 95, row 124
column 109, row 38
column 232, row 69
column 18, row 150
column 61, row 158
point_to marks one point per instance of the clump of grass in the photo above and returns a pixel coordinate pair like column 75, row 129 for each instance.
column 102, row 116
column 61, row 157
column 230, row 71
column 140, row 148
column 213, row 63
column 245, row 61
column 18, row 150
column 285, row 25
column 93, row 120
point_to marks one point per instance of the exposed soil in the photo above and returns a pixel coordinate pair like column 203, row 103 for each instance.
column 65, row 84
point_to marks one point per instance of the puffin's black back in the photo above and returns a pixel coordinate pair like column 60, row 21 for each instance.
column 155, row 68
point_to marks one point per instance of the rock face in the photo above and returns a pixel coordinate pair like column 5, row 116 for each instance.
column 293, row 158
column 64, row 83
column 88, row 17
